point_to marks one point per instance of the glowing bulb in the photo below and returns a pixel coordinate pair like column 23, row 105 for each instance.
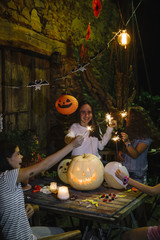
column 124, row 38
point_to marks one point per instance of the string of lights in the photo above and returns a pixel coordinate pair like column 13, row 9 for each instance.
column 82, row 67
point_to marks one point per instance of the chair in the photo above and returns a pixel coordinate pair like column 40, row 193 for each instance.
column 74, row 234
column 70, row 235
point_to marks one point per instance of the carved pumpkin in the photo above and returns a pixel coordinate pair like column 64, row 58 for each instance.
column 66, row 104
column 62, row 170
column 85, row 172
column 109, row 175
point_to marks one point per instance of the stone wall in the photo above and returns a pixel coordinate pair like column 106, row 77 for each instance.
column 59, row 22
column 57, row 28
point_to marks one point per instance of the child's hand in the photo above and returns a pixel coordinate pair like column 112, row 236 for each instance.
column 119, row 174
column 113, row 123
column 124, row 137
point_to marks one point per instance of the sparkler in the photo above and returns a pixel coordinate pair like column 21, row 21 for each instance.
column 109, row 118
column 124, row 115
column 116, row 138
column 89, row 129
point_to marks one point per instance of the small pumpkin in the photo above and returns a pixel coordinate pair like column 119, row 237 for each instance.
column 66, row 104
column 62, row 170
column 85, row 172
column 110, row 177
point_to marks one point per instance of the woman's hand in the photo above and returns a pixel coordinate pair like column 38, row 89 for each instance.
column 29, row 210
column 77, row 141
column 119, row 174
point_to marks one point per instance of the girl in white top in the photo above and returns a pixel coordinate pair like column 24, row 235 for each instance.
column 92, row 139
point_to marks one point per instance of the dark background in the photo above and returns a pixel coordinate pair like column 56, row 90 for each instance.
column 148, row 21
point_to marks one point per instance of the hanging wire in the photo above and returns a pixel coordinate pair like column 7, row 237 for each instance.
column 120, row 13
column 133, row 12
column 144, row 59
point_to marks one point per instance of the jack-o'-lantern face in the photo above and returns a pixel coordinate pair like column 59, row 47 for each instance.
column 66, row 104
column 85, row 172
column 62, row 170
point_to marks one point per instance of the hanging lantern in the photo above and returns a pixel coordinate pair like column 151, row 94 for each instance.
column 124, row 38
column 66, row 104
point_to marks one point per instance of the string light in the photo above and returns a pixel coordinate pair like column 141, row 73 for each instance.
column 124, row 38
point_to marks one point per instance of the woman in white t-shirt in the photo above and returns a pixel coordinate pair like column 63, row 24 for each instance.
column 13, row 219
column 92, row 139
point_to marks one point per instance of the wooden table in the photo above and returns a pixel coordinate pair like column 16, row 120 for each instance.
column 89, row 205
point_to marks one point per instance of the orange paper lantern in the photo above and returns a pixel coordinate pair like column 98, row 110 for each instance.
column 66, row 104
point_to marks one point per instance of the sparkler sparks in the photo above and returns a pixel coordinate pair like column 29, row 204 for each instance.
column 123, row 114
column 89, row 128
column 108, row 118
column 116, row 138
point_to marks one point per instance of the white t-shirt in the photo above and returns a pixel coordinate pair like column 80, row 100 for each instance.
column 90, row 144
column 14, row 223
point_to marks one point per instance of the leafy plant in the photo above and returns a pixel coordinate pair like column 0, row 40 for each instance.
column 28, row 143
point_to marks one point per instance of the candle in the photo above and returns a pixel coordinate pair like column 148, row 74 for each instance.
column 63, row 193
column 53, row 187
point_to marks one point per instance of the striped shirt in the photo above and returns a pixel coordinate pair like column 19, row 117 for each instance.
column 13, row 219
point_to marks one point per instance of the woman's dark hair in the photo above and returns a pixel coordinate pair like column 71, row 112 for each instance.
column 6, row 151
column 95, row 132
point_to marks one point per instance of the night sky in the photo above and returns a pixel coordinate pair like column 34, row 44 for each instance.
column 148, row 20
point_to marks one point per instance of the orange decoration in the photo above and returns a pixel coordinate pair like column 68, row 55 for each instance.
column 66, row 104
column 88, row 32
column 96, row 7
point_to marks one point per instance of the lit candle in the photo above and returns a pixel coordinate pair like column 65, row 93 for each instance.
column 53, row 187
column 63, row 193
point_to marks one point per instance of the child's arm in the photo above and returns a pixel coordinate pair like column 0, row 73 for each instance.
column 152, row 191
